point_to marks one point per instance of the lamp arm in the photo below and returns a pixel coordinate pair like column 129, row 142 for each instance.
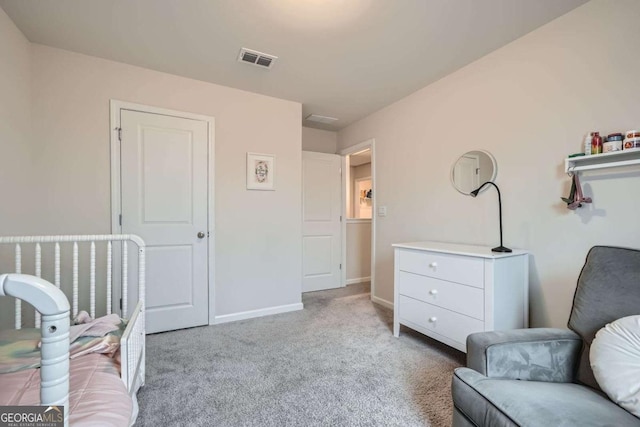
column 499, row 211
column 475, row 193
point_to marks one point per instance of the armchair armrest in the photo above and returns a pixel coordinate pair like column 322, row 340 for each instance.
column 542, row 354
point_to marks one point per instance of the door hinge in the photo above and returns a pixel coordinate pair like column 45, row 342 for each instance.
column 340, row 218
column 208, row 234
column 119, row 134
column 120, row 219
column 340, row 266
column 120, row 303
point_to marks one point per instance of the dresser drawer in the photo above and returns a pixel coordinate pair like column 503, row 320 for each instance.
column 454, row 268
column 438, row 320
column 452, row 296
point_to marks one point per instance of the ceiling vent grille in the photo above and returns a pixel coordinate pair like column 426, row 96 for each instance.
column 259, row 59
column 321, row 119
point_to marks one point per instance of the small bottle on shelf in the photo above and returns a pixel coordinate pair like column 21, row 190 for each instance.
column 587, row 143
column 596, row 143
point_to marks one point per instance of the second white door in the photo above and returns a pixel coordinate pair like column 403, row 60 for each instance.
column 321, row 231
column 164, row 186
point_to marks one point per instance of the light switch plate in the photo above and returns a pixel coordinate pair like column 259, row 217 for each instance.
column 382, row 211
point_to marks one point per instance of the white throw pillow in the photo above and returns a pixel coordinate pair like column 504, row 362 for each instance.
column 615, row 360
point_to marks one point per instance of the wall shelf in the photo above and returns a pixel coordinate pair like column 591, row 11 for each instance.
column 603, row 161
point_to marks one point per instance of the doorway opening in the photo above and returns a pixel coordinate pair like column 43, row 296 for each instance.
column 359, row 201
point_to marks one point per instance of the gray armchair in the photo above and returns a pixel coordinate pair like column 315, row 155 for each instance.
column 542, row 377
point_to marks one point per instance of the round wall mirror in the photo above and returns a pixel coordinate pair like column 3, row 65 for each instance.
column 473, row 169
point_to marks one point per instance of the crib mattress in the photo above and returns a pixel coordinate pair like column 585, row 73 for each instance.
column 97, row 396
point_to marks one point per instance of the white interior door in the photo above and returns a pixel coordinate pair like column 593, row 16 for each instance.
column 164, row 201
column 321, row 205
column 466, row 173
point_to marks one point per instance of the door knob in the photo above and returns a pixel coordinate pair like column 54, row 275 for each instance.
column 201, row 235
column 433, row 319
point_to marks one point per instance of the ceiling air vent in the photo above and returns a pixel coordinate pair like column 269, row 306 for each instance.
column 256, row 58
column 321, row 119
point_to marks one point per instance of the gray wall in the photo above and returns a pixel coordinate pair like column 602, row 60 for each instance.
column 529, row 103
column 358, row 249
column 64, row 164
column 16, row 174
column 321, row 141
column 257, row 233
column 15, row 122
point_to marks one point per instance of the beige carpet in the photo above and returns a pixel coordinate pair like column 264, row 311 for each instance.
column 335, row 363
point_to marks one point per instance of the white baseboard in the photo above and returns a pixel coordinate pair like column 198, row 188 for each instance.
column 382, row 302
column 243, row 315
column 358, row 280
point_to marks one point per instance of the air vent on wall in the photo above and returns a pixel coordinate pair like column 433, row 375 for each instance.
column 256, row 58
column 321, row 119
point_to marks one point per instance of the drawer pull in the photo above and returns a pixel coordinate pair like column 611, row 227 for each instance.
column 433, row 319
column 433, row 292
column 433, row 265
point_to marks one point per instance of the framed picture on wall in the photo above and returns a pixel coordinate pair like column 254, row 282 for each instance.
column 261, row 171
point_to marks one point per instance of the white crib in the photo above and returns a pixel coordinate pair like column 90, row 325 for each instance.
column 34, row 289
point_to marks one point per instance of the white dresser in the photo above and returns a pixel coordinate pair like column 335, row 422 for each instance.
column 447, row 291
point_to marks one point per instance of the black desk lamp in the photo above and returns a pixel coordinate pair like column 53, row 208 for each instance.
column 474, row 193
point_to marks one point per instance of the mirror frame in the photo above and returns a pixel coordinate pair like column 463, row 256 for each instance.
column 494, row 163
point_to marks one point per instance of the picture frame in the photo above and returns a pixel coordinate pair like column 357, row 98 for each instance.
column 261, row 171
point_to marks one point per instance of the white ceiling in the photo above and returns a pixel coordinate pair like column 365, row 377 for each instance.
column 339, row 58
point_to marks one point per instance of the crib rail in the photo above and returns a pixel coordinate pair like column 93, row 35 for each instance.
column 54, row 371
column 57, row 240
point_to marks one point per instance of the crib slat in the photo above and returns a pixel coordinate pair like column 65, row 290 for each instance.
column 109, row 281
column 125, row 279
column 57, row 266
column 92, row 281
column 38, row 260
column 18, row 301
column 75, row 279
column 18, row 259
column 38, row 274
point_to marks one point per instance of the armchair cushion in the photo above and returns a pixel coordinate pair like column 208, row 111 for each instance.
column 542, row 354
column 608, row 289
column 499, row 402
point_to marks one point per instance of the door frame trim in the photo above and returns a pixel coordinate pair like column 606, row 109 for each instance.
column 369, row 143
column 114, row 124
